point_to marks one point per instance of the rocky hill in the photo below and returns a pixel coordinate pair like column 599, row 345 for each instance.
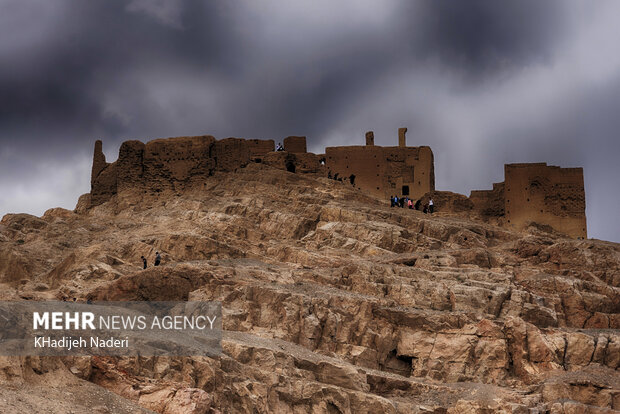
column 333, row 303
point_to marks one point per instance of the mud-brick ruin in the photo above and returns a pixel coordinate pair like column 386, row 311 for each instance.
column 530, row 193
column 540, row 193
column 384, row 171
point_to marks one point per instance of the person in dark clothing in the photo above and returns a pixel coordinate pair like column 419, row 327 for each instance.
column 391, row 201
column 431, row 206
column 143, row 261
column 417, row 204
column 157, row 259
column 279, row 147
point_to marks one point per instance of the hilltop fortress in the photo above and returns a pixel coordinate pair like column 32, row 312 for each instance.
column 546, row 195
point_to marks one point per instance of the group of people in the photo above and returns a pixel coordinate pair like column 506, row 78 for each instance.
column 406, row 202
column 157, row 260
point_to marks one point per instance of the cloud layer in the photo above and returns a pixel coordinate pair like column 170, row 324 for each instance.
column 482, row 82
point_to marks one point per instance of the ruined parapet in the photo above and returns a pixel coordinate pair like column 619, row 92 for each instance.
column 546, row 195
column 260, row 147
column 402, row 139
column 370, row 138
column 295, row 144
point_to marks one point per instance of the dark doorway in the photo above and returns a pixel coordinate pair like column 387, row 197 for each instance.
column 405, row 190
column 290, row 167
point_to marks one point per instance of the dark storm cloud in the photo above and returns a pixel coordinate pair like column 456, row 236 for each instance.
column 483, row 35
column 482, row 82
column 59, row 84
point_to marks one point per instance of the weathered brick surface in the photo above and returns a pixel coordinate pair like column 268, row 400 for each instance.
column 536, row 193
column 295, row 144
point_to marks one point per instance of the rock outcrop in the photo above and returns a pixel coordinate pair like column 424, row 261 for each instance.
column 332, row 301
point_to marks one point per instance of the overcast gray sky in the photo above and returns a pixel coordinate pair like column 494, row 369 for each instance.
column 482, row 82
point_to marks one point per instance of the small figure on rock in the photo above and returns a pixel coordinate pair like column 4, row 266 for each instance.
column 157, row 258
column 431, row 206
column 143, row 262
column 279, row 147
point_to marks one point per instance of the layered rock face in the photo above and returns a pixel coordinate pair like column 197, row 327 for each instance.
column 333, row 302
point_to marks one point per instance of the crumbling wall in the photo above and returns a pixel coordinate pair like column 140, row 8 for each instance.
column 295, row 144
column 169, row 163
column 130, row 164
column 260, row 147
column 447, row 202
column 536, row 193
column 384, row 171
column 307, row 163
column 162, row 164
column 102, row 178
column 546, row 195
column 103, row 186
column 231, row 153
column 489, row 203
